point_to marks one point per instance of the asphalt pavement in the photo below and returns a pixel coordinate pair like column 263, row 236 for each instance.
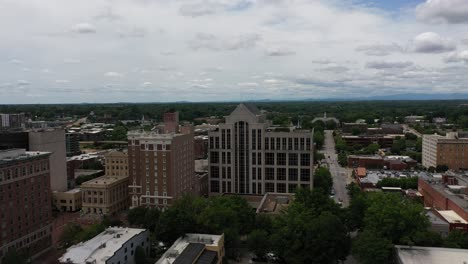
column 339, row 174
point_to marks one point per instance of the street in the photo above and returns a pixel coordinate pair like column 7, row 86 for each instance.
column 339, row 174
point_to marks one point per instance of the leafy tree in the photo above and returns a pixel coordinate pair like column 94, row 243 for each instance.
column 371, row 248
column 404, row 183
column 140, row 256
column 456, row 239
column 181, row 218
column 14, row 257
column 343, row 159
column 70, row 233
column 136, row 215
column 310, row 238
column 372, row 148
column 323, row 180
column 119, row 133
column 318, row 138
column 258, row 242
column 394, row 217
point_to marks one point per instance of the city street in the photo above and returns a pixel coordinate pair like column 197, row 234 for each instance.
column 339, row 174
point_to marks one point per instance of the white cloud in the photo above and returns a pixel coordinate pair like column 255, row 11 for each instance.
column 84, row 28
column 62, row 81
column 113, row 74
column 430, row 42
column 22, row 83
column 379, row 65
column 279, row 51
column 380, row 49
column 247, row 84
column 16, row 61
column 147, row 84
column 461, row 56
column 443, row 11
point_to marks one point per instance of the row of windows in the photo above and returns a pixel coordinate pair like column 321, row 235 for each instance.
column 279, row 174
column 273, row 143
column 8, row 174
column 226, row 187
column 292, row 159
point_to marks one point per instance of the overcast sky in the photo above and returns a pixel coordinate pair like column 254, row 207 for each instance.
column 61, row 51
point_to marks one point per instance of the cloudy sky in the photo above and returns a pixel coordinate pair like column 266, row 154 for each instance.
column 62, row 51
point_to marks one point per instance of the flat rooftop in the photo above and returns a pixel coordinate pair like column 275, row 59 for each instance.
column 103, row 180
column 81, row 172
column 431, row 255
column 101, row 247
column 452, row 217
column 9, row 155
column 460, row 199
column 274, row 203
column 187, row 248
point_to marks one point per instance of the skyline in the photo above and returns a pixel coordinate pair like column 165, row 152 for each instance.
column 158, row 51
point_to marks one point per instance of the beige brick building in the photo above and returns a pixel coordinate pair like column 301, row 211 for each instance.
column 117, row 163
column 449, row 150
column 106, row 195
column 69, row 201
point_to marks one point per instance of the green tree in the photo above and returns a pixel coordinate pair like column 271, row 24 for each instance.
column 456, row 239
column 70, row 233
column 394, row 217
column 258, row 242
column 343, row 159
column 370, row 248
column 318, row 138
column 372, row 148
column 441, row 168
column 323, row 180
column 119, row 133
column 136, row 215
column 140, row 256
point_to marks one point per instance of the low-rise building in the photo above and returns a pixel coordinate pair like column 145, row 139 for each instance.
column 429, row 255
column 445, row 192
column 438, row 224
column 117, row 163
column 114, row 245
column 69, row 201
column 195, row 248
column 106, row 195
column 384, row 141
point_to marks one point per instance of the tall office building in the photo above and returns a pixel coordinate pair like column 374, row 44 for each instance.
column 72, row 141
column 52, row 141
column 450, row 150
column 161, row 166
column 12, row 121
column 249, row 156
column 25, row 207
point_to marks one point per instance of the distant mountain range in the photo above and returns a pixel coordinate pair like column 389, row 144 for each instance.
column 400, row 97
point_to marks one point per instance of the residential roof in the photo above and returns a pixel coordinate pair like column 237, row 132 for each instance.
column 207, row 257
column 430, row 255
column 452, row 217
column 101, row 247
column 190, row 253
column 361, row 172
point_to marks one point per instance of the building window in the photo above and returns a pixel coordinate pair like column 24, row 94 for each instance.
column 281, row 187
column 269, row 158
column 259, row 173
column 269, row 187
column 292, row 174
column 259, row 158
column 305, row 175
column 214, row 157
column 281, row 174
column 281, row 158
column 214, row 172
column 292, row 159
column 214, row 186
column 292, row 188
column 269, row 174
column 305, row 159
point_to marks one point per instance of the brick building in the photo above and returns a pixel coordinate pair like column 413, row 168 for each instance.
column 448, row 192
column 25, row 206
column 161, row 166
column 450, row 150
column 106, row 195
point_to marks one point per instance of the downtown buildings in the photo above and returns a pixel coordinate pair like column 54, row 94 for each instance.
column 25, row 202
column 451, row 151
column 161, row 163
column 249, row 156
